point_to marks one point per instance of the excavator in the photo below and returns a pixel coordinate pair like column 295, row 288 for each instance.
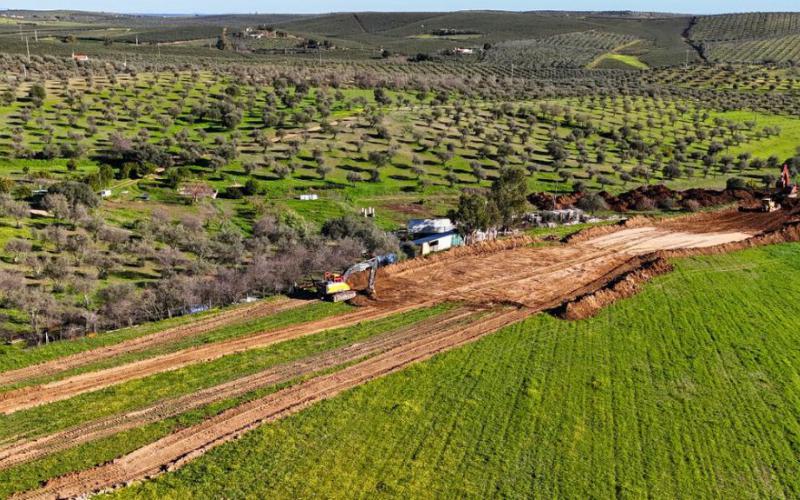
column 785, row 189
column 334, row 286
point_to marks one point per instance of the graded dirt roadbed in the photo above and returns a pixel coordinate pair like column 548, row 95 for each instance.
column 535, row 278
column 510, row 284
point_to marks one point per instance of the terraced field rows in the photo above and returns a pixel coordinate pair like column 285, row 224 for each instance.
column 28, row 450
column 29, row 397
column 231, row 316
column 183, row 446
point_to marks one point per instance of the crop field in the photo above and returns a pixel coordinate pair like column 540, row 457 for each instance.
column 424, row 429
column 751, row 78
column 607, row 310
column 141, row 389
column 728, row 27
column 161, row 142
column 748, row 38
column 669, row 403
column 766, row 50
column 558, row 50
column 618, row 61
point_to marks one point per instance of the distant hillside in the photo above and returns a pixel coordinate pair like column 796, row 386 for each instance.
column 622, row 39
column 659, row 34
column 754, row 37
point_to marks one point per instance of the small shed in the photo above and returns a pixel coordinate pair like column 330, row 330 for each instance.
column 438, row 242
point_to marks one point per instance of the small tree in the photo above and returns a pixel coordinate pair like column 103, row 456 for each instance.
column 475, row 212
column 37, row 94
column 592, row 202
column 508, row 193
column 57, row 204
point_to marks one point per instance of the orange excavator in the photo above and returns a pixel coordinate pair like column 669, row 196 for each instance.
column 785, row 188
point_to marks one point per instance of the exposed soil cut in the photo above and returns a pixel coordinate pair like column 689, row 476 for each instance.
column 649, row 197
column 509, row 280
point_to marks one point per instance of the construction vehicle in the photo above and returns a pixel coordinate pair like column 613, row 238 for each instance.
column 786, row 188
column 334, row 286
column 769, row 205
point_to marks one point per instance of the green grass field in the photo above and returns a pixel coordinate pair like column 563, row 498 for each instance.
column 618, row 61
column 785, row 145
column 686, row 390
column 137, row 394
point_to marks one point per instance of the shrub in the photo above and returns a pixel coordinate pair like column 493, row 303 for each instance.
column 691, row 205
column 735, row 183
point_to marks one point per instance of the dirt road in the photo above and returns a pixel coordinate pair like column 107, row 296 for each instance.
column 535, row 278
column 509, row 285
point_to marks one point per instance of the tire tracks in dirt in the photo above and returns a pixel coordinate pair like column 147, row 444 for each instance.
column 178, row 448
column 225, row 318
column 31, row 396
column 32, row 449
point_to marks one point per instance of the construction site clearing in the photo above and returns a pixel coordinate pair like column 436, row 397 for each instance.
column 493, row 284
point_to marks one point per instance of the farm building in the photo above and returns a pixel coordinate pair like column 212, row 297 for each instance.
column 438, row 242
column 433, row 235
column 422, row 227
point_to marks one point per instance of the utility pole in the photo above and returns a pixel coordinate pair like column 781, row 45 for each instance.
column 512, row 71
column 28, row 49
column 36, row 35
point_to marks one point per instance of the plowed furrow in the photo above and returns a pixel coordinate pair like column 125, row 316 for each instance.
column 25, row 451
column 176, row 449
column 205, row 325
column 28, row 397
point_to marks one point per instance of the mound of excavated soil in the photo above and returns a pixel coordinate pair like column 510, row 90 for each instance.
column 649, row 197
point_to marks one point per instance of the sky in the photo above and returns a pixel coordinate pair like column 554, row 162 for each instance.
column 319, row 6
